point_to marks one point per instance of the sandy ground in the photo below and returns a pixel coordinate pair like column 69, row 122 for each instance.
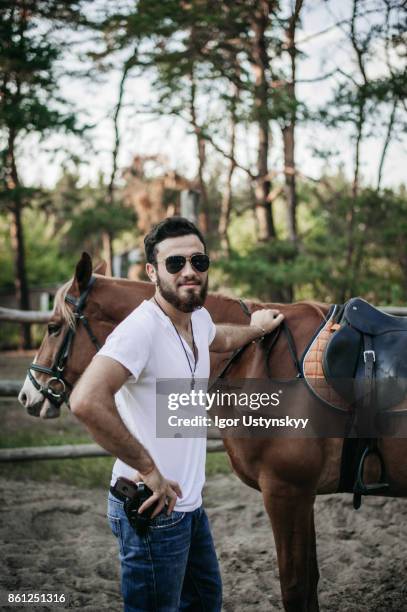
column 55, row 538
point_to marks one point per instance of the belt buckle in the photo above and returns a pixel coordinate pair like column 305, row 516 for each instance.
column 370, row 353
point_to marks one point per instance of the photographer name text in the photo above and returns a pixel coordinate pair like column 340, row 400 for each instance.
column 245, row 421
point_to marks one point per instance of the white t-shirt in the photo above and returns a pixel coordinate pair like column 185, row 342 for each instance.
column 147, row 344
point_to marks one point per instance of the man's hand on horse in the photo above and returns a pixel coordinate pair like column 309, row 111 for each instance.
column 164, row 491
column 232, row 337
column 266, row 319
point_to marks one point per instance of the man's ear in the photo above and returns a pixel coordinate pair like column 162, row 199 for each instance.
column 83, row 272
column 151, row 273
column 101, row 268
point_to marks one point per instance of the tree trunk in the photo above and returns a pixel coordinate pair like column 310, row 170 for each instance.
column 289, row 128
column 107, row 237
column 349, row 275
column 290, row 180
column 204, row 208
column 264, row 216
column 201, row 149
column 17, row 239
column 348, row 285
column 226, row 207
column 20, row 282
column 386, row 143
column 107, row 240
column 226, row 204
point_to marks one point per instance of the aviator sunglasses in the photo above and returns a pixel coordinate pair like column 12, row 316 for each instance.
column 199, row 261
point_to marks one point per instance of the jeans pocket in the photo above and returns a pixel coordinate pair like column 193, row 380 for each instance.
column 114, row 523
column 164, row 521
column 116, row 527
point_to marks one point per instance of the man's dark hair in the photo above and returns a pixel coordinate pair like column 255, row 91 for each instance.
column 171, row 227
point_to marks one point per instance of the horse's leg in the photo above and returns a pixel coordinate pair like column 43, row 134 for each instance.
column 292, row 520
column 314, row 571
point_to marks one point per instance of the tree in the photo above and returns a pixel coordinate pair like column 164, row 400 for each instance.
column 356, row 101
column 195, row 49
column 288, row 120
column 29, row 103
column 82, row 214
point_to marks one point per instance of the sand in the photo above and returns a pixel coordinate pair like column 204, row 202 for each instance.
column 55, row 538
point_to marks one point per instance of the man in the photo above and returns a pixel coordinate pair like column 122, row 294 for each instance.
column 173, row 566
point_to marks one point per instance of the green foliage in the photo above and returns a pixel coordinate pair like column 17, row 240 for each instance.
column 200, row 60
column 264, row 271
column 101, row 217
column 335, row 258
column 30, row 100
column 48, row 263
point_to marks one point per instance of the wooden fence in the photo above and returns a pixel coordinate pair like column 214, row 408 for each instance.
column 32, row 316
column 11, row 388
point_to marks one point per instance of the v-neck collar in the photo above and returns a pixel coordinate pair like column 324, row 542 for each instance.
column 166, row 319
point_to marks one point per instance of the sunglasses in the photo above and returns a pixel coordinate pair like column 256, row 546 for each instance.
column 199, row 261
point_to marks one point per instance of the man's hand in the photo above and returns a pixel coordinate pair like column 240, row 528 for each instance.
column 232, row 337
column 163, row 490
column 266, row 319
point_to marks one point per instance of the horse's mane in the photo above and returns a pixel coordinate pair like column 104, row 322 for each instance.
column 61, row 305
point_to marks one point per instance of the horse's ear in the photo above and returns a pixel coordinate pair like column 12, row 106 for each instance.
column 101, row 268
column 83, row 272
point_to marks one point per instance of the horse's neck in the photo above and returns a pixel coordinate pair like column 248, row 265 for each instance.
column 226, row 310
column 121, row 296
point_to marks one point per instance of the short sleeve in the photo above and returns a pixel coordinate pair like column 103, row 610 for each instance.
column 129, row 344
column 211, row 327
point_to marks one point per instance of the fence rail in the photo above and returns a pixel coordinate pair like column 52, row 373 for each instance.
column 24, row 316
column 71, row 451
column 34, row 316
column 11, row 388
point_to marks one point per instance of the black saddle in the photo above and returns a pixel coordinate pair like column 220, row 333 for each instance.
column 365, row 362
column 365, row 359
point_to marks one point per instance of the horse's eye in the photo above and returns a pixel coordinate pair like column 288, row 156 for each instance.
column 53, row 329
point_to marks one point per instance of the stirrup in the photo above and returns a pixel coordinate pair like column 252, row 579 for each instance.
column 360, row 488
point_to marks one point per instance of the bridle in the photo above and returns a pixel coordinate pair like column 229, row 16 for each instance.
column 57, row 388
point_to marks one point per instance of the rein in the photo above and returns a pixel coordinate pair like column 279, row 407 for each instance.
column 290, row 342
column 57, row 388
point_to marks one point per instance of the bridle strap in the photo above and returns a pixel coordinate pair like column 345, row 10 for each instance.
column 57, row 368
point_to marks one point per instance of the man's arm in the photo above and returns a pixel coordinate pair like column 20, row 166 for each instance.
column 231, row 337
column 92, row 402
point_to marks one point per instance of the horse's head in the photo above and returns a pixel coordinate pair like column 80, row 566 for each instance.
column 75, row 331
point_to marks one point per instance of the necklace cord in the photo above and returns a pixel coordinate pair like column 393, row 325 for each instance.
column 182, row 344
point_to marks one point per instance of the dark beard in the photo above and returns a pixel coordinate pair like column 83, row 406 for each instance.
column 191, row 303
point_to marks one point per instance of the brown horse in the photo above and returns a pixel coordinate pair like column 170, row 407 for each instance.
column 289, row 472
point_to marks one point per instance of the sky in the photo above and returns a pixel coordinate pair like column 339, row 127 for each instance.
column 144, row 134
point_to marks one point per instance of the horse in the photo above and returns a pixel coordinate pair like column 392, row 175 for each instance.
column 289, row 472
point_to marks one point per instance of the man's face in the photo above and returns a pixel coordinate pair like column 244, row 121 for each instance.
column 186, row 290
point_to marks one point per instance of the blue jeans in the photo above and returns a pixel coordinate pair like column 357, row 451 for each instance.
column 172, row 567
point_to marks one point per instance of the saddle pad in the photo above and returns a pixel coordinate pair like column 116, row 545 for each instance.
column 312, row 368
